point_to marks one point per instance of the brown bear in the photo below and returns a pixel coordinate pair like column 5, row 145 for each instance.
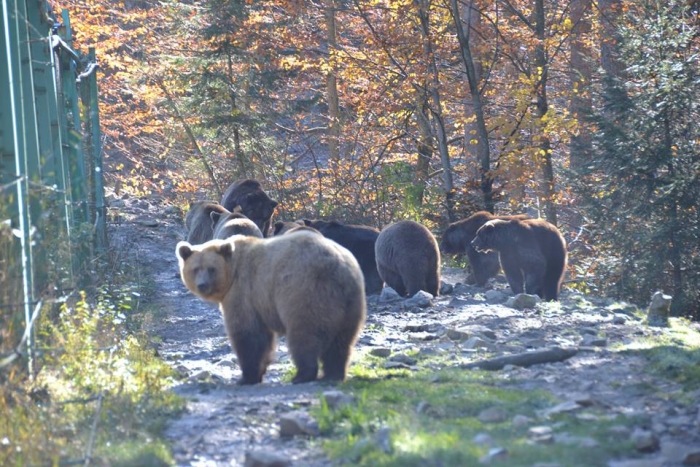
column 301, row 285
column 408, row 258
column 198, row 221
column 282, row 227
column 458, row 237
column 255, row 204
column 532, row 251
column 360, row 240
column 233, row 223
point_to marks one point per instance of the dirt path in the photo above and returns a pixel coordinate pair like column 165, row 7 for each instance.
column 224, row 421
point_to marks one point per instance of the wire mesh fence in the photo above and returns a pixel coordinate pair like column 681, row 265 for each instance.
column 52, row 212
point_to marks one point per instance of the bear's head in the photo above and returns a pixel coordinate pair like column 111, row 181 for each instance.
column 206, row 269
column 490, row 236
column 454, row 240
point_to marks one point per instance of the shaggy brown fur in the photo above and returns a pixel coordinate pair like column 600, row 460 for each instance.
column 408, row 258
column 457, row 240
column 199, row 222
column 255, row 204
column 301, row 285
column 533, row 254
column 233, row 223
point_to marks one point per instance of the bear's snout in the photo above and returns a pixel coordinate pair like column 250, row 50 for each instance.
column 204, row 284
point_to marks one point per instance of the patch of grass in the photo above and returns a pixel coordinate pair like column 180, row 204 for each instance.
column 675, row 353
column 101, row 392
column 430, row 418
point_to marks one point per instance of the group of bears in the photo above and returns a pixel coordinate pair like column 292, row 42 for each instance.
column 309, row 280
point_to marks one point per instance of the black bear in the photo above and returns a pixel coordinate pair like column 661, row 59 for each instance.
column 255, row 204
column 408, row 258
column 458, row 237
column 532, row 251
column 360, row 240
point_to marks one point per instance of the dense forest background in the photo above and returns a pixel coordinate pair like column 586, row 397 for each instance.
column 584, row 113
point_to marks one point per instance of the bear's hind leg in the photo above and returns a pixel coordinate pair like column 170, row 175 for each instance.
column 305, row 350
column 393, row 280
column 254, row 350
column 336, row 357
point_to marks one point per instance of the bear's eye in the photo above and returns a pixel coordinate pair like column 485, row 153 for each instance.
column 196, row 270
column 211, row 271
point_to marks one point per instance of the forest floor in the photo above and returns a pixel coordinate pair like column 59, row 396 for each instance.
column 621, row 398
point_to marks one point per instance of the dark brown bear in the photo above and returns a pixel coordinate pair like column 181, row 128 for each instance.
column 360, row 240
column 300, row 285
column 408, row 258
column 282, row 227
column 457, row 240
column 198, row 221
column 532, row 251
column 254, row 202
column 233, row 223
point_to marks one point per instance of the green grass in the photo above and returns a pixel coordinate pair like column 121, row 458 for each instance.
column 674, row 354
column 433, row 416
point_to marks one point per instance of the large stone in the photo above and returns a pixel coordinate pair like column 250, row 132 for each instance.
column 644, row 440
column 659, row 309
column 298, row 422
column 421, row 299
column 493, row 415
column 523, row 301
column 388, row 295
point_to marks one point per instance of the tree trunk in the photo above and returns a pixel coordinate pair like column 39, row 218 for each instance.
column 331, row 84
column 425, row 147
column 547, row 194
column 581, row 75
column 436, row 108
column 483, row 153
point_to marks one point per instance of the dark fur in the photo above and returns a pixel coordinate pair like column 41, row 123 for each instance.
column 360, row 240
column 255, row 204
column 198, row 221
column 282, row 227
column 457, row 240
column 408, row 258
column 233, row 223
column 533, row 254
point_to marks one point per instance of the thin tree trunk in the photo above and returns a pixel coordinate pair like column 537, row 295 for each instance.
column 425, row 148
column 581, row 76
column 331, row 84
column 190, row 134
column 436, row 108
column 545, row 147
column 482, row 136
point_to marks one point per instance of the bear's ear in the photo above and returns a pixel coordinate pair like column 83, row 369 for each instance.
column 215, row 216
column 237, row 209
column 278, row 226
column 183, row 250
column 273, row 203
column 226, row 249
column 306, row 222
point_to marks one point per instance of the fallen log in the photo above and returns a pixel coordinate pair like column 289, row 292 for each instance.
column 525, row 359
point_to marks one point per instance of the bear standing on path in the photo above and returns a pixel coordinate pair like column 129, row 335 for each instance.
column 254, row 203
column 408, row 258
column 198, row 221
column 360, row 240
column 533, row 254
column 301, row 285
column 233, row 223
column 458, row 237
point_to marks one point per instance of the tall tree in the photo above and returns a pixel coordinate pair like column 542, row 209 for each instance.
column 644, row 180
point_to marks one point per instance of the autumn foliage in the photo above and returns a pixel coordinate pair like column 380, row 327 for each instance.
column 372, row 111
